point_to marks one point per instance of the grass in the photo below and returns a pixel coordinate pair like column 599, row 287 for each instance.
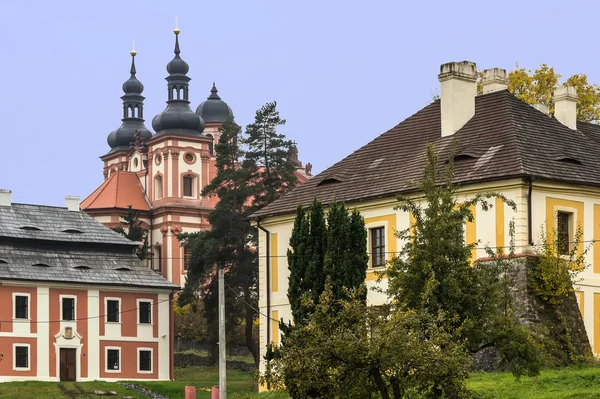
column 203, row 378
column 581, row 382
column 63, row 390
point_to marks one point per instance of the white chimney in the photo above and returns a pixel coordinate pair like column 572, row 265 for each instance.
column 458, row 88
column 5, row 197
column 72, row 202
column 541, row 107
column 494, row 80
column 565, row 106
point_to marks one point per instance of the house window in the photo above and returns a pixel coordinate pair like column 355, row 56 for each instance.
column 187, row 257
column 145, row 360
column 21, row 357
column 145, row 312
column 113, row 359
column 21, row 307
column 188, row 184
column 563, row 231
column 378, row 246
column 112, row 312
column 68, row 308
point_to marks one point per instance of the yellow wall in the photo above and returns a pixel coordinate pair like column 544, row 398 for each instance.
column 500, row 225
column 596, row 323
column 275, row 327
column 597, row 238
column 471, row 232
column 274, row 263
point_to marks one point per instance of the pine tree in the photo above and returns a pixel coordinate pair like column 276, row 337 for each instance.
column 316, row 249
column 134, row 231
column 267, row 157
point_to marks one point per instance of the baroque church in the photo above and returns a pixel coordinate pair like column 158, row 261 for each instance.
column 161, row 175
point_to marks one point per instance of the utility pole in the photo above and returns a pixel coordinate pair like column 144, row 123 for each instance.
column 222, row 338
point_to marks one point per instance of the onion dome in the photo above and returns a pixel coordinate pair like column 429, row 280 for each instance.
column 214, row 110
column 178, row 118
column 133, row 114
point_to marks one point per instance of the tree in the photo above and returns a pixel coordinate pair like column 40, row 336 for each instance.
column 348, row 350
column 189, row 321
column 320, row 252
column 134, row 231
column 538, row 86
column 267, row 156
column 226, row 244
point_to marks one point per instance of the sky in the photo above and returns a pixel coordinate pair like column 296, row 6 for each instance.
column 342, row 71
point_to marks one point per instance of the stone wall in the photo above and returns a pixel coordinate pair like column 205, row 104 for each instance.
column 560, row 328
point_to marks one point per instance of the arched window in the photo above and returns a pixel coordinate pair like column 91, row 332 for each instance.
column 188, row 186
column 211, row 145
column 158, row 187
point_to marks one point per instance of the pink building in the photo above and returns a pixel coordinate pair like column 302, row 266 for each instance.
column 78, row 304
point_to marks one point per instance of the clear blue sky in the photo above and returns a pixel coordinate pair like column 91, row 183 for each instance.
column 342, row 72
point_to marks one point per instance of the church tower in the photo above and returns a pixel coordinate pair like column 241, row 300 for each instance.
column 161, row 175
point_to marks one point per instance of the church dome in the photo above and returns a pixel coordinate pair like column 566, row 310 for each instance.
column 133, row 112
column 214, row 110
column 178, row 118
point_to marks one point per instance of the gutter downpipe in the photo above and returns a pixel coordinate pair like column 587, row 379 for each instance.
column 529, row 216
column 268, row 274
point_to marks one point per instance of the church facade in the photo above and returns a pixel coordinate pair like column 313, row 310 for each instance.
column 161, row 174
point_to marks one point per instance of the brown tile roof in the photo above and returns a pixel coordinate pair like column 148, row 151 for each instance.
column 506, row 138
column 119, row 191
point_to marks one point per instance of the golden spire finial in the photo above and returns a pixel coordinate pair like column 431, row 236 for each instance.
column 133, row 52
column 176, row 30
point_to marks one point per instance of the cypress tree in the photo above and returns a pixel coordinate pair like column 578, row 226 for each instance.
column 336, row 257
column 316, row 248
column 357, row 257
column 298, row 257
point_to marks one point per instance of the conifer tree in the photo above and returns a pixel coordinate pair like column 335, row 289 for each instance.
column 267, row 156
column 134, row 231
column 317, row 247
column 298, row 258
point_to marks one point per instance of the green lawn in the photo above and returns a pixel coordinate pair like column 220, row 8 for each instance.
column 581, row 382
column 63, row 390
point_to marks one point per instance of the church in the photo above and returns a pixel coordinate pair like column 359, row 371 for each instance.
column 161, row 175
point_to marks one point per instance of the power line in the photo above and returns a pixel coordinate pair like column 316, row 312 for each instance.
column 84, row 318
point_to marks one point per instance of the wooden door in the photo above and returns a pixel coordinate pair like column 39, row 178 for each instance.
column 68, row 364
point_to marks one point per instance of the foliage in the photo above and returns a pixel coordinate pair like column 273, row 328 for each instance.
column 553, row 277
column 538, row 87
column 267, row 156
column 246, row 180
column 434, row 272
column 132, row 229
column 355, row 351
column 189, row 321
column 319, row 251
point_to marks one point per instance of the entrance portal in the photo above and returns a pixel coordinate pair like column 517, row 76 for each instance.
column 68, row 364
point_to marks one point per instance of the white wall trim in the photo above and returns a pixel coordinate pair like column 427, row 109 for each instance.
column 106, row 349
column 14, row 357
column 151, row 361
column 74, row 297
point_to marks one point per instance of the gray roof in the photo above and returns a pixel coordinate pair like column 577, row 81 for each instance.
column 46, row 243
column 75, row 265
column 506, row 138
column 51, row 223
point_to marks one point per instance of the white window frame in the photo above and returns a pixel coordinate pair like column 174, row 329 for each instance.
column 140, row 300
column 106, row 299
column 14, row 363
column 74, row 297
column 151, row 350
column 112, row 348
column 14, row 305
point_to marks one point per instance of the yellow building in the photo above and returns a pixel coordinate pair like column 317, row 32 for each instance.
column 549, row 165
